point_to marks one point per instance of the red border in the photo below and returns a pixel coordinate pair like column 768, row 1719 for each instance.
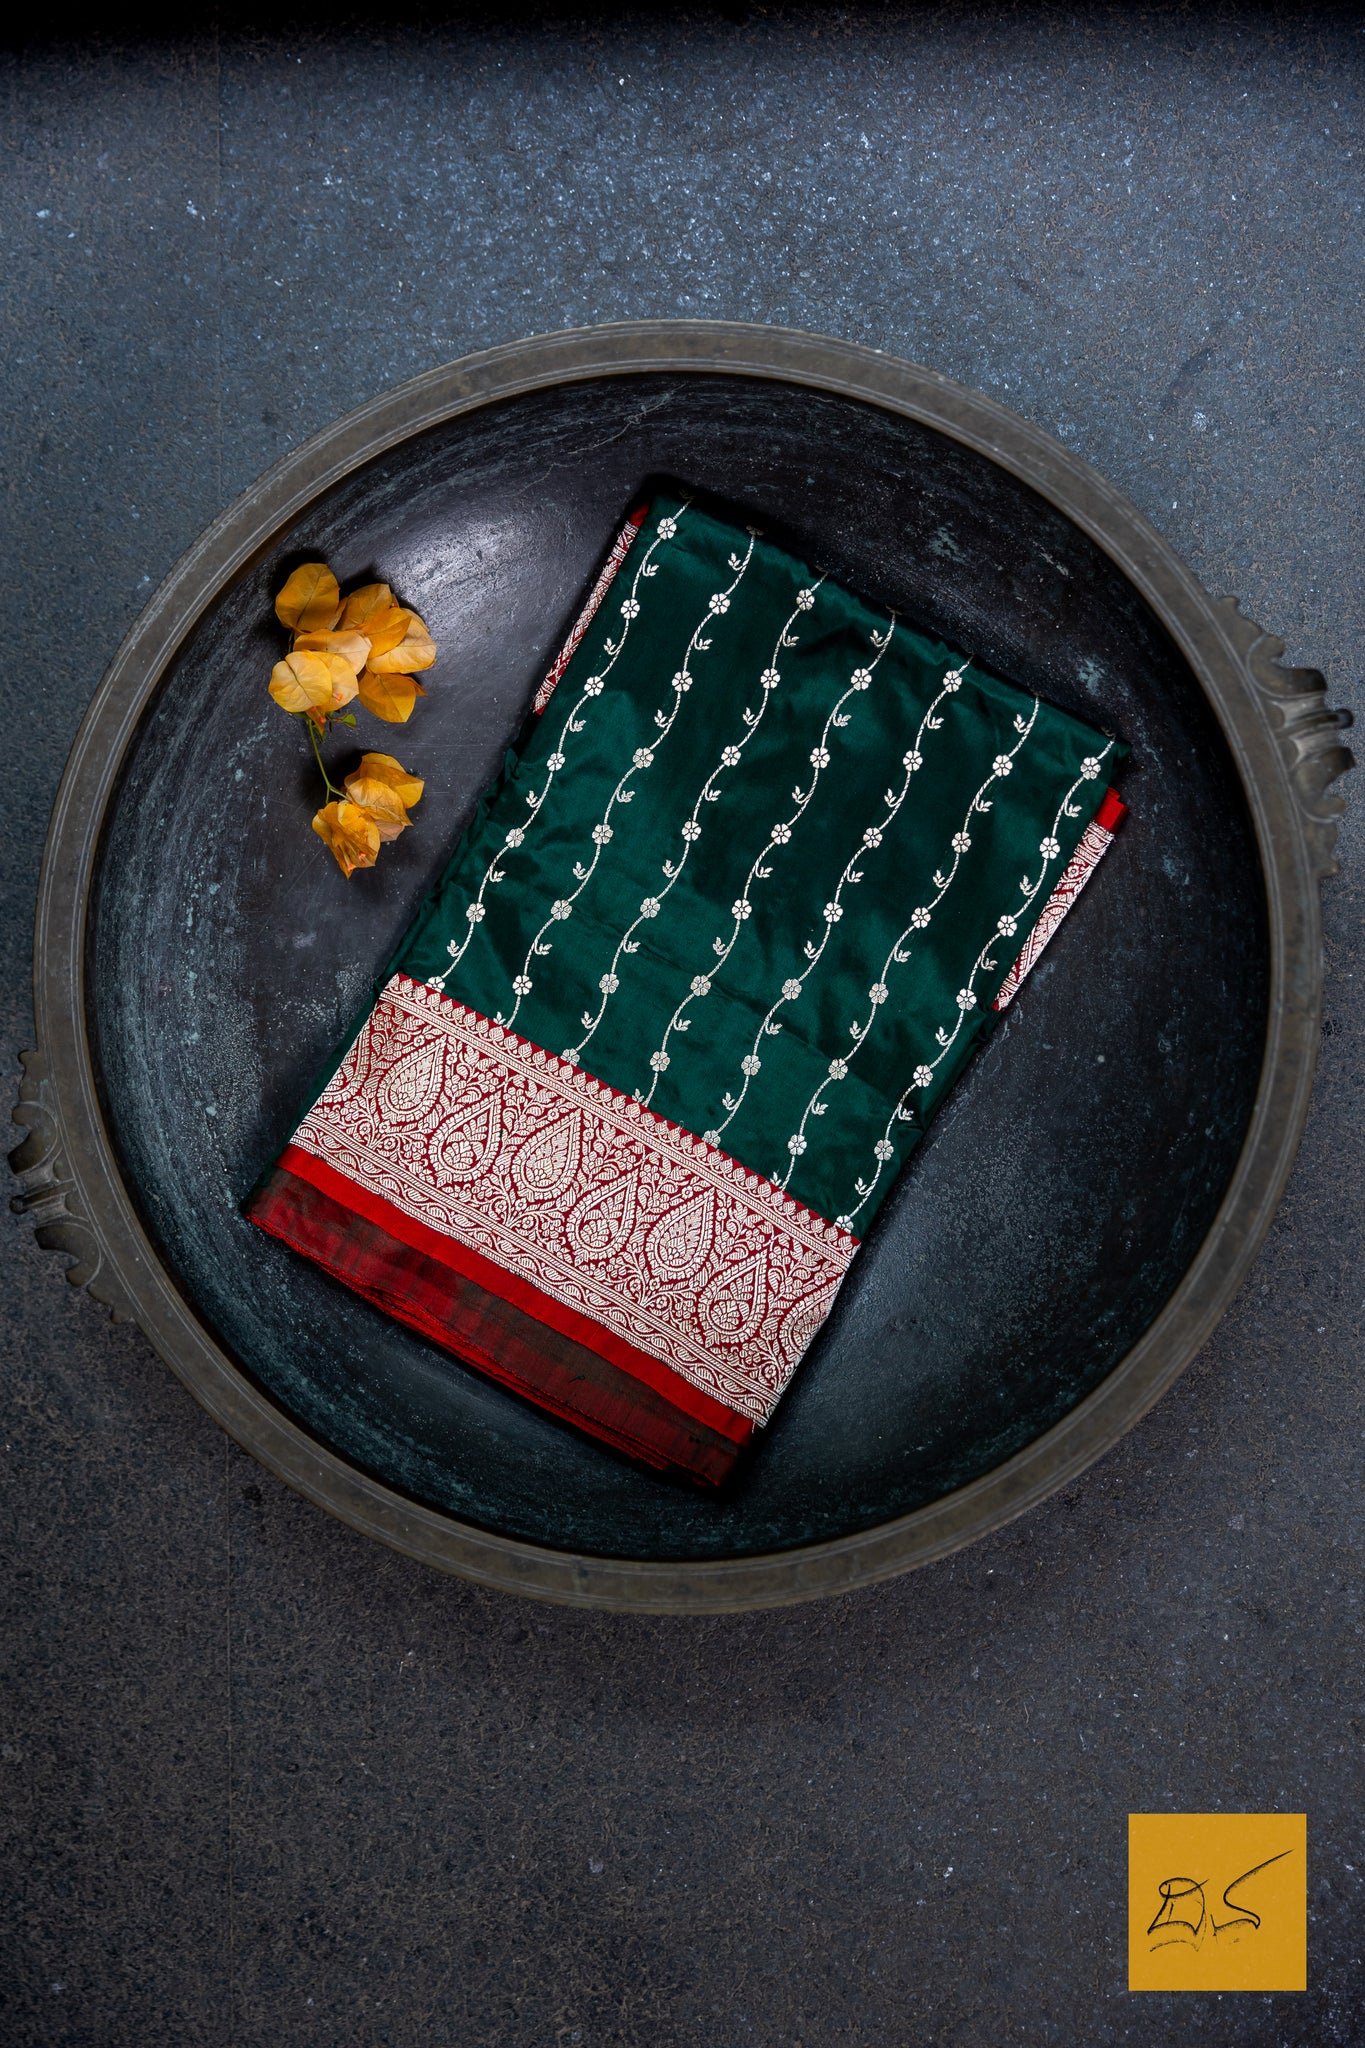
column 496, row 1280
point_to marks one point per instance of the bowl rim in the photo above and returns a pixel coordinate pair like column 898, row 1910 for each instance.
column 1287, row 750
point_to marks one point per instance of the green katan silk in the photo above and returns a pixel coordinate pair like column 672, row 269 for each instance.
column 763, row 861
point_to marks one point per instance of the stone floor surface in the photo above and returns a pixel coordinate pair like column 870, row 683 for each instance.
column 266, row 1783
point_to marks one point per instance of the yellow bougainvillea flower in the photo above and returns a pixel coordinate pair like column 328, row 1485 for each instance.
column 413, row 649
column 310, row 600
column 349, row 833
column 382, row 787
column 366, row 605
column 389, row 697
column 303, row 682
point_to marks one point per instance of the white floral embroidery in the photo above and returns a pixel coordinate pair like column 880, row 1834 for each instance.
column 522, row 984
column 708, row 793
column 913, row 760
column 601, row 834
column 720, row 602
column 804, row 600
column 650, row 907
column 837, row 1069
column 966, row 998
column 1049, row 848
column 920, row 917
column 751, row 1063
column 560, row 909
column 608, row 984
column 535, row 800
column 878, row 992
column 770, row 679
column 710, row 1137
column 781, row 835
column 741, row 908
column 861, row 679
column 701, row 985
column 872, row 836
column 1007, row 926
column 819, row 757
column 642, row 759
column 832, row 912
column 658, row 1060
column 851, row 876
column 796, row 1144
column 476, row 913
column 791, row 990
column 630, row 609
column 883, row 1148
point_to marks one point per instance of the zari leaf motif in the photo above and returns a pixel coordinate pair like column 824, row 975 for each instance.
column 734, row 1305
column 680, row 1242
column 463, row 1145
column 414, row 1085
column 544, row 1165
column 603, row 1220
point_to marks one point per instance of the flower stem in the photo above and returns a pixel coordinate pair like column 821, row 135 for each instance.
column 332, row 789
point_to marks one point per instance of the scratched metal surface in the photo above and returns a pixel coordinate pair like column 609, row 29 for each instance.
column 265, row 1779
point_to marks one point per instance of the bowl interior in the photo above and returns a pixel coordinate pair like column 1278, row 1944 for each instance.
column 1062, row 1192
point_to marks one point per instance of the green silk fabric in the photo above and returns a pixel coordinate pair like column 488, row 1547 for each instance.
column 763, row 861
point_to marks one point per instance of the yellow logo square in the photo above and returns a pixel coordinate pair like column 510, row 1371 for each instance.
column 1217, row 1902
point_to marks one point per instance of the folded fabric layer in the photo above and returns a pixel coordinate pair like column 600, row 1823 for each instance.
column 748, row 895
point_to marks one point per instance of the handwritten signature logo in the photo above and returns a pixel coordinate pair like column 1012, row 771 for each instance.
column 1185, row 1917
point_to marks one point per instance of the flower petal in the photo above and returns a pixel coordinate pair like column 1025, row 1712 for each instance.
column 366, row 605
column 390, row 697
column 414, row 649
column 310, row 600
column 302, row 682
column 352, row 647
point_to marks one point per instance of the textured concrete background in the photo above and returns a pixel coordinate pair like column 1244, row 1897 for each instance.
column 266, row 1783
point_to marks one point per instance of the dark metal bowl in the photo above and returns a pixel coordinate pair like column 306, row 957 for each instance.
column 1081, row 1213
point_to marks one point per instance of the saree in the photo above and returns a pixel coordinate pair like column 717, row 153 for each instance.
column 756, row 881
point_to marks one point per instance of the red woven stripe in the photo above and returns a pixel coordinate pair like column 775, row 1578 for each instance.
column 491, row 1333
column 568, row 1321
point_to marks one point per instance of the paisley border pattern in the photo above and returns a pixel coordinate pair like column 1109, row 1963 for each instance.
column 581, row 1192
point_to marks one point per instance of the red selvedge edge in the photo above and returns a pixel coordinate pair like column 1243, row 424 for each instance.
column 620, row 549
column 1094, row 843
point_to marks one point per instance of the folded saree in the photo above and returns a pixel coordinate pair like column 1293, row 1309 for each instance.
column 757, row 878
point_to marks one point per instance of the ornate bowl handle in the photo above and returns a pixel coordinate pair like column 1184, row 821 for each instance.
column 49, row 1195
column 1309, row 734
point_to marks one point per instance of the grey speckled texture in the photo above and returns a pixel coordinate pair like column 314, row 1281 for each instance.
column 265, row 1782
